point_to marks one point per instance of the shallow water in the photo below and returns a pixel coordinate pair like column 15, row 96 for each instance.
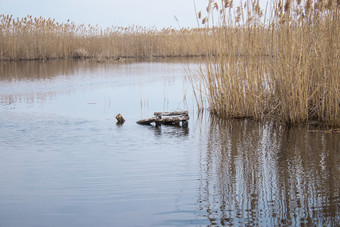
column 65, row 162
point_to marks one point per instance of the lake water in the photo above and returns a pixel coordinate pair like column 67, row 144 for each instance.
column 65, row 162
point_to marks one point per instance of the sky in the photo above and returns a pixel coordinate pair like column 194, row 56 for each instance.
column 106, row 13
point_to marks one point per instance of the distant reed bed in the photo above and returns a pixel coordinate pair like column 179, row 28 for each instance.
column 281, row 61
column 40, row 38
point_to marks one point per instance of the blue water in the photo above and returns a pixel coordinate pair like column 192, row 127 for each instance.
column 65, row 162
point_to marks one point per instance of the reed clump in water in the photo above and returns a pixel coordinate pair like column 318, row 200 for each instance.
column 39, row 38
column 281, row 62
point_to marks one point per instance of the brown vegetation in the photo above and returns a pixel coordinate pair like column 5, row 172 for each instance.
column 39, row 38
column 282, row 62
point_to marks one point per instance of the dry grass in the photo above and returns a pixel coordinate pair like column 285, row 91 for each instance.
column 39, row 38
column 282, row 62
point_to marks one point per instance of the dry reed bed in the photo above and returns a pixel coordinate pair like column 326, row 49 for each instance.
column 281, row 62
column 40, row 38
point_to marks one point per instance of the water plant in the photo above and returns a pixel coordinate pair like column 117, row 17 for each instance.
column 40, row 38
column 281, row 61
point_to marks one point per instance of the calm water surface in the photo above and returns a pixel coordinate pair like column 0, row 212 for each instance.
column 65, row 162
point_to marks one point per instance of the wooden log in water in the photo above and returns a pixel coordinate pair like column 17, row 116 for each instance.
column 147, row 121
column 158, row 120
column 120, row 119
column 175, row 113
column 174, row 120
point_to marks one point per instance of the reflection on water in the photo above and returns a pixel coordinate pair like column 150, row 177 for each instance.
column 171, row 131
column 44, row 70
column 266, row 174
column 37, row 70
column 65, row 162
column 68, row 84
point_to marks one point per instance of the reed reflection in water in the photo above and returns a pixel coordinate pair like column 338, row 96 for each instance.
column 265, row 174
column 65, row 162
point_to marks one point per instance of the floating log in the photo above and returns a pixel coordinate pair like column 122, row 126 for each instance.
column 175, row 113
column 147, row 121
column 174, row 118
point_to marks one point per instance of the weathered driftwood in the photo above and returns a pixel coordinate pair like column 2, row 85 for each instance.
column 174, row 118
column 120, row 119
column 175, row 113
column 147, row 121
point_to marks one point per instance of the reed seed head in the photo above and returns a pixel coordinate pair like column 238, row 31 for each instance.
column 287, row 6
column 205, row 20
column 330, row 4
column 308, row 5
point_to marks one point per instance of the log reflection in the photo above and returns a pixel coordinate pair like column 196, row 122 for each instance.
column 265, row 174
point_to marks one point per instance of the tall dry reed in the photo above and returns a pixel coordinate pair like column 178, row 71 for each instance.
column 280, row 61
column 39, row 38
